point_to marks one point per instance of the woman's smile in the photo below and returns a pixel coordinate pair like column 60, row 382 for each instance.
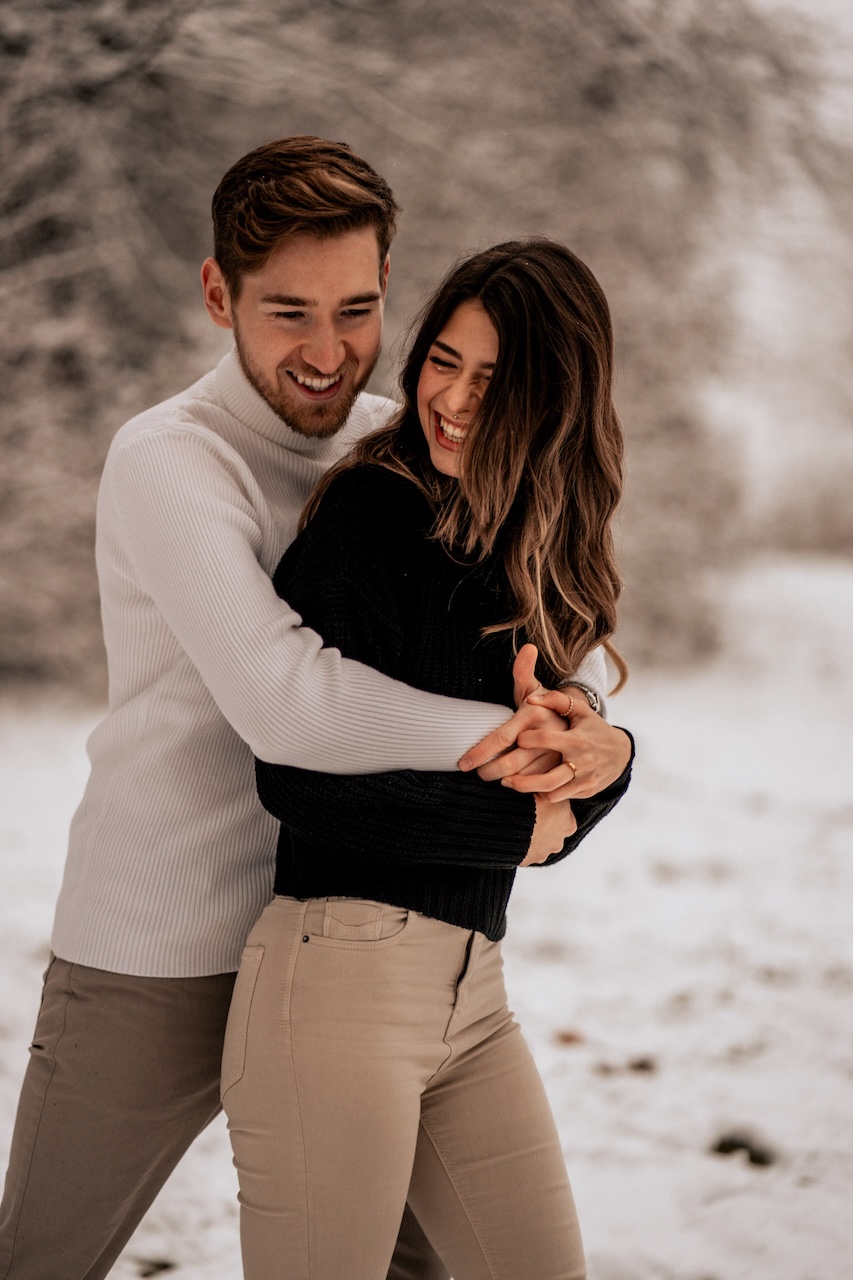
column 449, row 434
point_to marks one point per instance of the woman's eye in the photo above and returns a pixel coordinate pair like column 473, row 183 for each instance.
column 439, row 363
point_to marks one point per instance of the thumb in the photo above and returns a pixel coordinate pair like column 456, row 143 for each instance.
column 524, row 673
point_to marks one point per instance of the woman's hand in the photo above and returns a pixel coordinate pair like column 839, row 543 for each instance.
column 594, row 753
column 554, row 824
column 554, row 745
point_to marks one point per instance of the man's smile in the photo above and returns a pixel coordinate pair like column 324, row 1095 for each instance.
column 316, row 386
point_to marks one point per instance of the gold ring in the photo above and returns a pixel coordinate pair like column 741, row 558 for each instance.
column 566, row 714
column 573, row 769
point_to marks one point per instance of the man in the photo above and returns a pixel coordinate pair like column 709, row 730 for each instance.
column 171, row 855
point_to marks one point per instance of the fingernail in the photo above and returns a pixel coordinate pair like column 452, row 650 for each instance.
column 465, row 764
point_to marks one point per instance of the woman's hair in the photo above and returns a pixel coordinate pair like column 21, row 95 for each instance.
column 540, row 472
column 294, row 186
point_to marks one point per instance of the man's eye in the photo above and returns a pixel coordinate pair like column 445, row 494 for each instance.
column 288, row 315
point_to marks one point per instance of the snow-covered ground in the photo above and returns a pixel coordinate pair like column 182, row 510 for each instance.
column 686, row 975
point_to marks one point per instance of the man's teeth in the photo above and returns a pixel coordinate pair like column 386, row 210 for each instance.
column 450, row 429
column 316, row 384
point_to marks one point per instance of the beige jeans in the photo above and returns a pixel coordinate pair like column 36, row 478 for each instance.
column 123, row 1074
column 370, row 1054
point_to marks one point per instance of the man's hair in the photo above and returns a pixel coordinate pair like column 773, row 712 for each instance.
column 290, row 187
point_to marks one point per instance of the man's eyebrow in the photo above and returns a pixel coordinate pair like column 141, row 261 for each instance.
column 289, row 300
column 442, row 346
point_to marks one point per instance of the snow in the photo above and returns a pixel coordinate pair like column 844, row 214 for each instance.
column 687, row 974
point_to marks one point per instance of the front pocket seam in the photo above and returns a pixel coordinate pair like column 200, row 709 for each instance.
column 242, row 1011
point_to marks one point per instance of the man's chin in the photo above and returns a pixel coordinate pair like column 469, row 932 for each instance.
column 316, row 420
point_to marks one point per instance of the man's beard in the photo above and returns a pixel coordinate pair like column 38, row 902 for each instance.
column 317, row 421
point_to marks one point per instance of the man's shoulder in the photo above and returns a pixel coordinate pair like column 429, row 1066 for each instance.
column 187, row 407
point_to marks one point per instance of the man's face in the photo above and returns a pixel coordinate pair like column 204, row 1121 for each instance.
column 308, row 327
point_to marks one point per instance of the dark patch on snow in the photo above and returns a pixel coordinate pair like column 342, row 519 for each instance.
column 757, row 1152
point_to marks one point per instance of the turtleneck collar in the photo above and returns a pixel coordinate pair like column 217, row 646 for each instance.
column 242, row 400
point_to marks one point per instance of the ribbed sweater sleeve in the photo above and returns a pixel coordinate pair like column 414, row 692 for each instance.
column 348, row 571
column 187, row 521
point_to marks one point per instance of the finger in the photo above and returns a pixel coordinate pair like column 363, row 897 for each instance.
column 528, row 716
column 541, row 782
column 543, row 762
column 562, row 701
column 547, row 739
column 494, row 743
column 566, row 792
column 510, row 762
column 517, row 761
column 524, row 673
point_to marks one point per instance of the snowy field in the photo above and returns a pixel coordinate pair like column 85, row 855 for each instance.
column 687, row 975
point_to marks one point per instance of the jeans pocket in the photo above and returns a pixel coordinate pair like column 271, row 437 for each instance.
column 361, row 923
column 237, row 1028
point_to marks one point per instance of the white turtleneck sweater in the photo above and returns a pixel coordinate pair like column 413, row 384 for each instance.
column 171, row 856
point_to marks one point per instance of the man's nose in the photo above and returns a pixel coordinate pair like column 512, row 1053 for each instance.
column 324, row 349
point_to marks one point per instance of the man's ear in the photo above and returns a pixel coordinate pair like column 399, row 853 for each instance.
column 217, row 298
column 383, row 275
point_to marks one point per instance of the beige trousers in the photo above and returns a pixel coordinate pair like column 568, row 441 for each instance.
column 123, row 1074
column 370, row 1055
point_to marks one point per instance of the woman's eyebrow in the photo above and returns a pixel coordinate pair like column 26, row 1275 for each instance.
column 442, row 346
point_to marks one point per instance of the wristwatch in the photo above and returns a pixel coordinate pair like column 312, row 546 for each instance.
column 591, row 696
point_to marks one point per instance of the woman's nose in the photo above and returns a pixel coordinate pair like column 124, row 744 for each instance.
column 461, row 397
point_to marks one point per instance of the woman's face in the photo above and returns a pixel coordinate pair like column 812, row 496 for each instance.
column 453, row 381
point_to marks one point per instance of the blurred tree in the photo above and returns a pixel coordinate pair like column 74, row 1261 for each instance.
column 639, row 131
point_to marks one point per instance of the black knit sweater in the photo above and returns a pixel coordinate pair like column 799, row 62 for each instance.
column 368, row 578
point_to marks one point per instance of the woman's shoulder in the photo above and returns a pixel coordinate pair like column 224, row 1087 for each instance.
column 367, row 526
column 375, row 495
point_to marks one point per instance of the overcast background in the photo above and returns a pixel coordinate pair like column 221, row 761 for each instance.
column 697, row 155
column 687, row 977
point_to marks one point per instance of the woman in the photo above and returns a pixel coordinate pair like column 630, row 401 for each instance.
column 370, row 1054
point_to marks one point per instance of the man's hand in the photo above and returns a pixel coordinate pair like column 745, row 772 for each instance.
column 554, row 824
column 528, row 716
column 554, row 745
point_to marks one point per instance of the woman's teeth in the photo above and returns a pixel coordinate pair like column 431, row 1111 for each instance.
column 316, row 384
column 451, row 430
